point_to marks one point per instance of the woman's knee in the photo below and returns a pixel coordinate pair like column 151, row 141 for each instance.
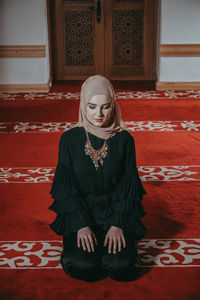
column 84, row 268
column 116, row 266
column 121, row 262
column 122, row 270
column 81, row 269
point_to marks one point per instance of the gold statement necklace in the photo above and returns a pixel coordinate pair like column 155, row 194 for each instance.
column 96, row 155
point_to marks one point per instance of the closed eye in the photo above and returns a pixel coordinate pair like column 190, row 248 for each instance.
column 106, row 106
column 91, row 106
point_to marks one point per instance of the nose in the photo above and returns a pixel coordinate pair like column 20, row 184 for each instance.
column 99, row 112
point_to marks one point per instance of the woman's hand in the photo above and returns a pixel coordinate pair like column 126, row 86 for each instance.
column 85, row 236
column 115, row 235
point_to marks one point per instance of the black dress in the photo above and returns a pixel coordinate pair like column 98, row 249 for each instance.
column 109, row 196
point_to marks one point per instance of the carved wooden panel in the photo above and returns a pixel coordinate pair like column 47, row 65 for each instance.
column 128, row 37
column 78, row 1
column 79, row 38
column 114, row 38
column 129, row 1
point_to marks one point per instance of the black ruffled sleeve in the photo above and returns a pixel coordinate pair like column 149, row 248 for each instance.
column 126, row 207
column 71, row 212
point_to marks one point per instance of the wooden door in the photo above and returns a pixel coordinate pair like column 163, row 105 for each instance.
column 129, row 39
column 79, row 39
column 114, row 38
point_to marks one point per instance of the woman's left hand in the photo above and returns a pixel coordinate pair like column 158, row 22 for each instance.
column 115, row 235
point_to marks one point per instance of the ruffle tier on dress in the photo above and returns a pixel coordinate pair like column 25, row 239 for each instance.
column 123, row 207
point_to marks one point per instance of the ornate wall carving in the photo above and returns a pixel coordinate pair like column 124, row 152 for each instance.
column 78, row 1
column 128, row 37
column 79, row 38
column 129, row 0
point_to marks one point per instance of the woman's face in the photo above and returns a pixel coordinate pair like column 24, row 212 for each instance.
column 99, row 110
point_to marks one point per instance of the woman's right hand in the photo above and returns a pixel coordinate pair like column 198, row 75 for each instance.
column 85, row 236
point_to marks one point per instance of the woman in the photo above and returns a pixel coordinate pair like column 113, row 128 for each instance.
column 97, row 191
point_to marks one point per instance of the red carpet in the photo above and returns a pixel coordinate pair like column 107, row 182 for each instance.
column 166, row 128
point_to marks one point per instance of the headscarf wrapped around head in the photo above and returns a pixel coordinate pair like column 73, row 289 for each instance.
column 99, row 85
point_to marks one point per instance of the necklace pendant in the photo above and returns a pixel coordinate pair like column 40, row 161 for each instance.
column 96, row 156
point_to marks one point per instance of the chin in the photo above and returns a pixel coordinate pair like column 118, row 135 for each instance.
column 98, row 124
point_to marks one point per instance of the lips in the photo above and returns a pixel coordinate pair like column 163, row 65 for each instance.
column 98, row 120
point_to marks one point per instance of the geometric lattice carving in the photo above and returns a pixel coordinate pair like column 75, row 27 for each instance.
column 128, row 37
column 129, row 1
column 79, row 37
column 78, row 1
